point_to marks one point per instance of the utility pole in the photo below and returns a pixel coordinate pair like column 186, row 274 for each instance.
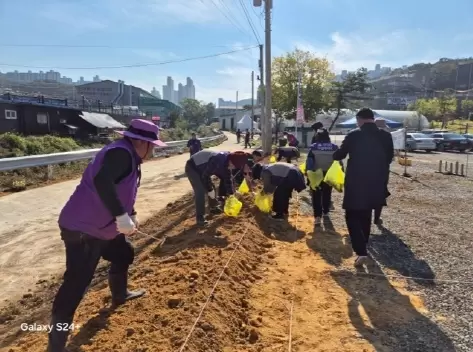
column 252, row 98
column 267, row 145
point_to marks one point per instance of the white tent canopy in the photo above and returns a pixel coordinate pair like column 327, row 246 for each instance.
column 245, row 123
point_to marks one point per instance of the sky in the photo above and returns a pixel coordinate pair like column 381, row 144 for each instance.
column 84, row 37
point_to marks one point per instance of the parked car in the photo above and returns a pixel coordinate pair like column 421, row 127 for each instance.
column 432, row 131
column 452, row 141
column 420, row 141
column 468, row 136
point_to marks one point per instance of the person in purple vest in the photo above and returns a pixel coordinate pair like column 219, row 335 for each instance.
column 206, row 163
column 95, row 221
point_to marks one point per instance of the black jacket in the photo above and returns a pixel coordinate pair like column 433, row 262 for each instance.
column 370, row 152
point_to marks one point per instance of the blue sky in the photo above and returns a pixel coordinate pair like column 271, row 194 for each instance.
column 350, row 33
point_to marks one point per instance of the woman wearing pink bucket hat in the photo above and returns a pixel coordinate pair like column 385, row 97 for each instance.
column 95, row 221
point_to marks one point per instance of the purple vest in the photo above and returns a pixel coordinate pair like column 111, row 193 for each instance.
column 85, row 211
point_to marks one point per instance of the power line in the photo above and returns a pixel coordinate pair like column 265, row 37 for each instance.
column 134, row 65
column 260, row 16
column 236, row 24
column 248, row 18
column 87, row 46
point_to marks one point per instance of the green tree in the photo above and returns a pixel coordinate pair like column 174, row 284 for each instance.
column 210, row 112
column 315, row 76
column 441, row 108
column 173, row 118
column 194, row 112
column 351, row 92
column 467, row 108
column 247, row 107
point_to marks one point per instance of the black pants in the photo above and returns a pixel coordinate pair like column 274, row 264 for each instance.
column 281, row 199
column 377, row 214
column 321, row 199
column 247, row 143
column 359, row 228
column 83, row 253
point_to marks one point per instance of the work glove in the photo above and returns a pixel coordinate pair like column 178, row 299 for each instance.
column 211, row 194
column 125, row 224
column 135, row 220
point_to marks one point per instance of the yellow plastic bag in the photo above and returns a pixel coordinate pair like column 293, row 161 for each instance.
column 335, row 176
column 243, row 187
column 302, row 168
column 315, row 178
column 232, row 206
column 264, row 202
column 272, row 160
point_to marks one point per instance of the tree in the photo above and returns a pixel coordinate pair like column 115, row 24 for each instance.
column 247, row 107
column 194, row 112
column 173, row 118
column 210, row 112
column 441, row 108
column 467, row 108
column 350, row 92
column 316, row 76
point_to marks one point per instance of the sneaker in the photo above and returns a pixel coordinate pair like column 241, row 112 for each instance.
column 278, row 217
column 360, row 261
column 318, row 221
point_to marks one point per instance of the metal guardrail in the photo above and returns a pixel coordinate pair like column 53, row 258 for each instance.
column 9, row 164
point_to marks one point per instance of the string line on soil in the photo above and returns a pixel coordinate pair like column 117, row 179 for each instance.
column 209, row 298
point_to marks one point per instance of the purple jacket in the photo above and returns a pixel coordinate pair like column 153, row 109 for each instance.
column 85, row 211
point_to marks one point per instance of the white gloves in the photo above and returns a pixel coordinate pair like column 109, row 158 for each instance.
column 211, row 194
column 125, row 224
column 135, row 220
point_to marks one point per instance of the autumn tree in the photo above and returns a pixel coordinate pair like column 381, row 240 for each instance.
column 350, row 92
column 315, row 79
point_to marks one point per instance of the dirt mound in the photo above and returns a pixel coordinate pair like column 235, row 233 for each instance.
column 179, row 277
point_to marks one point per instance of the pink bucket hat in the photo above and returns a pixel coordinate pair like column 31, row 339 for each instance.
column 143, row 130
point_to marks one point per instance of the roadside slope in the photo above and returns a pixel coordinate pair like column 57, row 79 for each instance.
column 30, row 247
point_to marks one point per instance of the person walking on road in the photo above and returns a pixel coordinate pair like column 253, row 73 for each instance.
column 194, row 144
column 369, row 152
column 279, row 179
column 206, row 163
column 320, row 156
column 247, row 139
column 238, row 135
column 95, row 221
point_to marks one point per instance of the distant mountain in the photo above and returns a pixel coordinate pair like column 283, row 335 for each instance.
column 229, row 103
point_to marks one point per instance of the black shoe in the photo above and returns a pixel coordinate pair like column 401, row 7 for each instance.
column 202, row 222
column 57, row 338
column 378, row 222
column 278, row 217
column 118, row 286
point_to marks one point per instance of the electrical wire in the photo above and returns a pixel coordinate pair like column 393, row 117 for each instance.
column 89, row 46
column 234, row 23
column 250, row 22
column 134, row 65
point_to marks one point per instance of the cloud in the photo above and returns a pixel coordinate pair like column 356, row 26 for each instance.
column 355, row 50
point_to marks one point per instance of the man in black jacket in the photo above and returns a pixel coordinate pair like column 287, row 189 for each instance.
column 370, row 152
